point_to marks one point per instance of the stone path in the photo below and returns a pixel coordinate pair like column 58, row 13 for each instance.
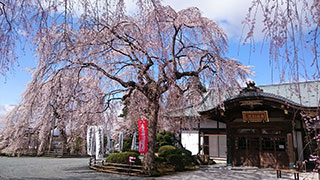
column 223, row 172
column 35, row 168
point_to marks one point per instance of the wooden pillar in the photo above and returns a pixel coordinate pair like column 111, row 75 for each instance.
column 199, row 138
column 229, row 145
column 290, row 150
column 318, row 149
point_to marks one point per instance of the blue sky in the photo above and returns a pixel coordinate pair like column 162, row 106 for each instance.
column 227, row 13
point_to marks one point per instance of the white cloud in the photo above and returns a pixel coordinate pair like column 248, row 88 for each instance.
column 229, row 14
column 5, row 109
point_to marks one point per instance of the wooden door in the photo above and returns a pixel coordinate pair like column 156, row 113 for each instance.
column 253, row 153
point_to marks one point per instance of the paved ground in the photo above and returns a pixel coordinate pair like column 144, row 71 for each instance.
column 33, row 168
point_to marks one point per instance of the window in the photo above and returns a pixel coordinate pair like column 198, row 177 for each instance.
column 247, row 131
column 242, row 143
column 267, row 144
column 253, row 143
column 265, row 131
column 280, row 144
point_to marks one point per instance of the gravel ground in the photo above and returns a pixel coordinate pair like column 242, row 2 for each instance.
column 32, row 168
column 43, row 168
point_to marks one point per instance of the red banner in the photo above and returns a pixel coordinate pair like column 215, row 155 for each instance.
column 143, row 136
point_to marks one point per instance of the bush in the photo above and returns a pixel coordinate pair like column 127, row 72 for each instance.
column 166, row 148
column 123, row 158
column 165, row 138
column 127, row 144
column 179, row 158
column 175, row 160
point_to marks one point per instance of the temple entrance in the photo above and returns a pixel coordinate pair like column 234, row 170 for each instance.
column 261, row 151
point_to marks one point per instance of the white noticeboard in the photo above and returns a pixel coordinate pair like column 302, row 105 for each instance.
column 190, row 141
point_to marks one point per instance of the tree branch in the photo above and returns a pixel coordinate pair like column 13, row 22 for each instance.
column 120, row 81
column 4, row 13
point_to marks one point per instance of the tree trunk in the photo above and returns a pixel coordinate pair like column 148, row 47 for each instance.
column 149, row 159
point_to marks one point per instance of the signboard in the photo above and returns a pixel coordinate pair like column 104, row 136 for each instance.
column 143, row 136
column 255, row 116
column 91, row 140
column 132, row 159
column 95, row 145
column 121, row 135
column 109, row 144
column 134, row 145
column 99, row 142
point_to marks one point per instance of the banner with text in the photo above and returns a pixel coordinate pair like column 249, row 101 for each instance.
column 99, row 142
column 91, row 150
column 143, row 136
column 95, row 140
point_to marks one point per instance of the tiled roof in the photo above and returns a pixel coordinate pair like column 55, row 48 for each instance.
column 264, row 95
column 303, row 94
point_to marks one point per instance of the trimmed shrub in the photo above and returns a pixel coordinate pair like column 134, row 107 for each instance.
column 166, row 148
column 175, row 160
column 164, row 138
column 179, row 158
column 123, row 158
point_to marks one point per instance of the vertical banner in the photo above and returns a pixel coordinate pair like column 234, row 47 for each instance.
column 108, row 144
column 90, row 140
column 99, row 142
column 121, row 135
column 143, row 136
column 134, row 141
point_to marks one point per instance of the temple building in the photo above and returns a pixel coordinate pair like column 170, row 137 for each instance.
column 255, row 126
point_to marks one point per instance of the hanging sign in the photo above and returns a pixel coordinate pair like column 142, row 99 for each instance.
column 143, row 136
column 255, row 116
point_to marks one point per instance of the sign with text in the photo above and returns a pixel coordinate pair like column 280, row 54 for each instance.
column 143, row 136
column 99, row 142
column 91, row 150
column 95, row 137
column 132, row 159
column 255, row 116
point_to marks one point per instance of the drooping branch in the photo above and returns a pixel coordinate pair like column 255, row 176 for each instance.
column 3, row 13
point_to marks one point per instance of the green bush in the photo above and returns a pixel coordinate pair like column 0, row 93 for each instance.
column 175, row 160
column 179, row 158
column 164, row 138
column 127, row 144
column 123, row 158
column 166, row 148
